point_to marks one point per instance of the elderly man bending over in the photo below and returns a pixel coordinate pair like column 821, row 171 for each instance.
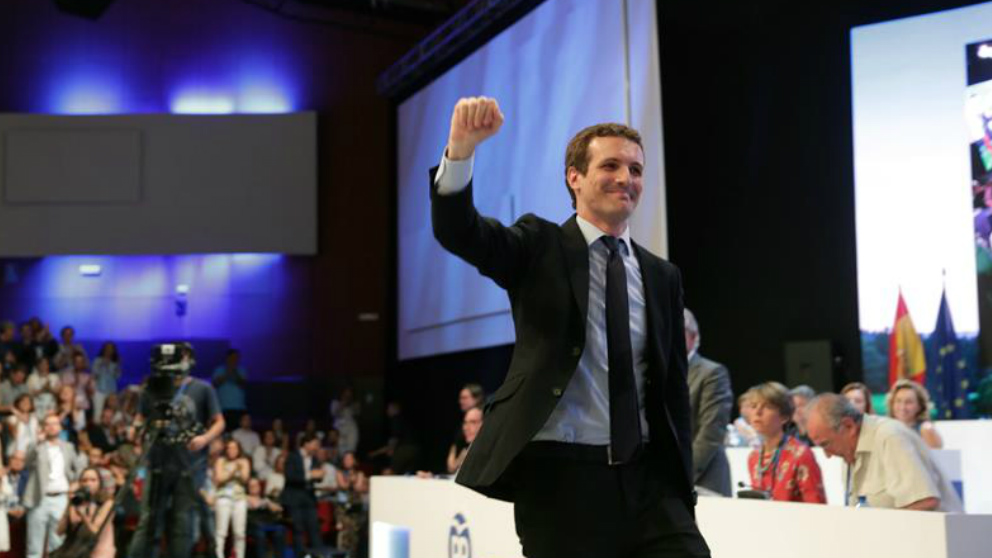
column 887, row 463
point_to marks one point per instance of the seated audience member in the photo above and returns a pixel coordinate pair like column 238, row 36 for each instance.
column 103, row 434
column 263, row 459
column 88, row 523
column 282, row 436
column 9, row 346
column 106, row 374
column 13, row 387
column 18, row 480
column 79, row 378
column 471, row 423
column 711, row 400
column 43, row 385
column 332, row 442
column 327, row 487
column 784, row 466
column 889, row 466
column 29, row 347
column 860, row 396
column 52, row 466
column 247, row 437
column 309, row 429
column 351, row 509
column 275, row 479
column 800, row 395
column 96, row 459
column 740, row 433
column 344, row 412
column 231, row 473
column 73, row 418
column 264, row 516
column 45, row 344
column 298, row 499
column 471, row 395
column 68, row 348
column 909, row 403
column 401, row 452
column 23, row 425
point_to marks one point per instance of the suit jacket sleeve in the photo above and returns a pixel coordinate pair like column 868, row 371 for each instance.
column 715, row 402
column 678, row 385
column 295, row 475
column 497, row 251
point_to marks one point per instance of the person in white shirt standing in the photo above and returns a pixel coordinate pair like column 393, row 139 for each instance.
column 53, row 468
column 247, row 437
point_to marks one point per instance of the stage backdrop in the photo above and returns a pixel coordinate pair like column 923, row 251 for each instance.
column 564, row 66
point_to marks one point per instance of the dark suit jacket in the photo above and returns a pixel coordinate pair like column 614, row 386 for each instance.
column 712, row 401
column 297, row 492
column 544, row 268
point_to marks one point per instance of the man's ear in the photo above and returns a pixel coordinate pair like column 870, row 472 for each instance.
column 573, row 177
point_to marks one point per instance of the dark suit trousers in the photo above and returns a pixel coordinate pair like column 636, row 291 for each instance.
column 568, row 502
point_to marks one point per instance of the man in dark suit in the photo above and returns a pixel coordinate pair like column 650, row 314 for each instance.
column 298, row 498
column 712, row 400
column 589, row 435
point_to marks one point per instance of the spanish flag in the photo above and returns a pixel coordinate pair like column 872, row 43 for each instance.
column 907, row 358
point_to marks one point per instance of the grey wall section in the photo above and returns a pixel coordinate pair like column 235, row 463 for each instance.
column 157, row 184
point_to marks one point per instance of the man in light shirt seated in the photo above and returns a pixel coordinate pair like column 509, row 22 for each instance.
column 888, row 465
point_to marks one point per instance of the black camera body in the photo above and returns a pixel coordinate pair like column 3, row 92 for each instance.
column 80, row 497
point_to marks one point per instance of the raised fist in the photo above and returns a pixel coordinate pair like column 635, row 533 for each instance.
column 473, row 121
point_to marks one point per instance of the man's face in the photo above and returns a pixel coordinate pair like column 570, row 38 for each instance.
column 52, row 427
column 67, row 335
column 96, row 457
column 690, row 340
column 842, row 442
column 17, row 462
column 312, row 446
column 245, row 422
column 471, row 424
column 612, row 185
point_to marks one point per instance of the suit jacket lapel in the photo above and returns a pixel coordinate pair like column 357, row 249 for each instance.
column 577, row 257
column 651, row 276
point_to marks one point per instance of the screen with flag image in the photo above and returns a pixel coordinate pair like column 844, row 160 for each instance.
column 922, row 105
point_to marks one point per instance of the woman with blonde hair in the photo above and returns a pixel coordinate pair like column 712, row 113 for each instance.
column 909, row 403
column 782, row 466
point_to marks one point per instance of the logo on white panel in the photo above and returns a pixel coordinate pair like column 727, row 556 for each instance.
column 459, row 541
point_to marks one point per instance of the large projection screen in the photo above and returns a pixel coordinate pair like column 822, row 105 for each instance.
column 566, row 65
column 923, row 183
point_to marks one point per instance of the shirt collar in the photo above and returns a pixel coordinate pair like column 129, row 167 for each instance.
column 592, row 233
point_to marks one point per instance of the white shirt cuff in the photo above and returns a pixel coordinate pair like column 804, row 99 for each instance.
column 453, row 176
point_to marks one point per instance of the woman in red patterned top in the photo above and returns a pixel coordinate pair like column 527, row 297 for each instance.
column 783, row 466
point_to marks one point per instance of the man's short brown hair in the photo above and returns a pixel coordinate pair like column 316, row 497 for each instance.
column 577, row 152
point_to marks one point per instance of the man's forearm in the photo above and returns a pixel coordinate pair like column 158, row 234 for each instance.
column 216, row 428
column 926, row 504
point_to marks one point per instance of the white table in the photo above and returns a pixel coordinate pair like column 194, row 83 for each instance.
column 418, row 518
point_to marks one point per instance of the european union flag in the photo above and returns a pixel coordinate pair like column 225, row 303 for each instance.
column 949, row 383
